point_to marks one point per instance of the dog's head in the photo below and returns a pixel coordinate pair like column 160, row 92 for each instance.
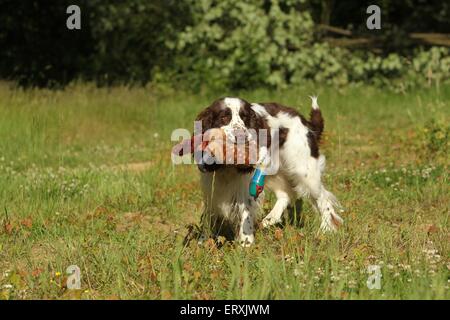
column 234, row 115
column 239, row 125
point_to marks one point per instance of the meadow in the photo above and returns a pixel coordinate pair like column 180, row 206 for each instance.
column 86, row 179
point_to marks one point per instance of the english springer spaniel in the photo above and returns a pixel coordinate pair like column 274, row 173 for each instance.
column 229, row 209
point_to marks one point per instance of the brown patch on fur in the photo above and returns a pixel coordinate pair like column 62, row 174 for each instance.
column 315, row 124
column 256, row 122
column 214, row 116
column 283, row 135
column 274, row 108
column 313, row 145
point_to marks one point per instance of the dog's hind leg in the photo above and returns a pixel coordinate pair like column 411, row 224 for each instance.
column 325, row 202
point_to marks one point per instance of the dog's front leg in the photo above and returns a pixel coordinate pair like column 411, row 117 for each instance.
column 247, row 228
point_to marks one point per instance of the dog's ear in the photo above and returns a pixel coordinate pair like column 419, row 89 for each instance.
column 207, row 118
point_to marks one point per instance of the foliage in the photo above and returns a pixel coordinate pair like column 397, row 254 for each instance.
column 425, row 67
column 274, row 46
column 243, row 44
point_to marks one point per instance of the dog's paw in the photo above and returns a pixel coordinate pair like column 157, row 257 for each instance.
column 327, row 228
column 270, row 221
column 246, row 240
column 331, row 224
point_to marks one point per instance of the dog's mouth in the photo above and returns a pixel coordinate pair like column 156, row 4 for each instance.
column 218, row 148
column 207, row 162
column 235, row 147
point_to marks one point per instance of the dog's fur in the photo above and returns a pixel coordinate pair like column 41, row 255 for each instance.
column 229, row 209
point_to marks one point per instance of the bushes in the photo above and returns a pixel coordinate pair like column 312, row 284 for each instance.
column 425, row 67
column 253, row 43
column 241, row 44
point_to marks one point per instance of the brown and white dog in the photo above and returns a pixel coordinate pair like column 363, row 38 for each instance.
column 229, row 209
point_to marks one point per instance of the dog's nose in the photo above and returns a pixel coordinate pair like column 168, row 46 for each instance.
column 202, row 167
column 206, row 160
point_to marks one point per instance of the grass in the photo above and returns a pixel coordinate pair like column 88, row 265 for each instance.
column 86, row 179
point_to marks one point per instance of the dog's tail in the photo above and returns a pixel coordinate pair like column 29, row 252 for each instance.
column 316, row 119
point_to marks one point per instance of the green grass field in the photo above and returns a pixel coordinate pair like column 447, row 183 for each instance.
column 86, row 179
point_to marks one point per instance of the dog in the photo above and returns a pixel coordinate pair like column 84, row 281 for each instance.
column 229, row 210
